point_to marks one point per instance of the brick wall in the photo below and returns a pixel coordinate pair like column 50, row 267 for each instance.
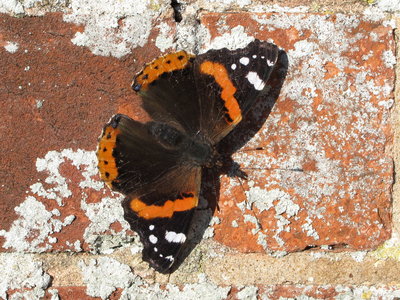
column 318, row 216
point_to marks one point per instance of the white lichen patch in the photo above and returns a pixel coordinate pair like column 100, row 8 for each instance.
column 31, row 7
column 84, row 161
column 114, row 28
column 279, row 202
column 366, row 292
column 23, row 273
column 33, row 229
column 264, row 200
column 262, row 240
column 239, row 3
column 388, row 5
column 11, row 47
column 309, row 229
column 374, row 14
column 237, row 37
column 165, row 39
column 203, row 289
column 389, row 59
column 51, row 164
column 276, row 8
column 54, row 294
column 101, row 216
column 252, row 219
column 248, row 293
column 209, row 232
column 358, row 256
column 104, row 275
column 11, row 7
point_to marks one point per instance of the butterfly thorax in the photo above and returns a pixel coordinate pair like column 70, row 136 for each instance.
column 196, row 150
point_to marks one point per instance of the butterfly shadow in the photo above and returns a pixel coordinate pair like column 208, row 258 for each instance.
column 210, row 187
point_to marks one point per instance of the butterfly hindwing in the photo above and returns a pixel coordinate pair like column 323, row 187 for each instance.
column 144, row 162
column 163, row 216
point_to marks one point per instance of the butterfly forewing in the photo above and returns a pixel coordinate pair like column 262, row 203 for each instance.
column 171, row 96
column 236, row 79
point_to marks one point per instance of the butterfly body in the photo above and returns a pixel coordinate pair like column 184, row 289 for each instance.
column 194, row 102
column 196, row 150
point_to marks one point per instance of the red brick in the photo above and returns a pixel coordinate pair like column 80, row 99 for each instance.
column 342, row 196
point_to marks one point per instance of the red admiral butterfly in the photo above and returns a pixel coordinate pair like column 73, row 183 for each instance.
column 194, row 101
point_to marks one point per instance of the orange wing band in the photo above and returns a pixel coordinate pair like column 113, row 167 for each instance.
column 106, row 161
column 164, row 211
column 220, row 74
column 164, row 64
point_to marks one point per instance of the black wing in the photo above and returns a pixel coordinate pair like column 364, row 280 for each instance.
column 229, row 82
column 162, row 218
column 140, row 161
column 168, row 91
column 209, row 93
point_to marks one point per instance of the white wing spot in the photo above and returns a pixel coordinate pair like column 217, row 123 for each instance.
column 244, row 61
column 254, row 56
column 270, row 63
column 153, row 239
column 255, row 80
column 174, row 237
column 151, row 227
column 161, row 255
column 169, row 257
column 155, row 249
column 233, row 66
column 262, row 57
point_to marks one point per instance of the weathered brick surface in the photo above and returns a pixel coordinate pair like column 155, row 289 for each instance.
column 56, row 96
column 332, row 122
column 318, row 152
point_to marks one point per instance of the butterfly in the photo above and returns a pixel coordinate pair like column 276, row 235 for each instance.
column 194, row 102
